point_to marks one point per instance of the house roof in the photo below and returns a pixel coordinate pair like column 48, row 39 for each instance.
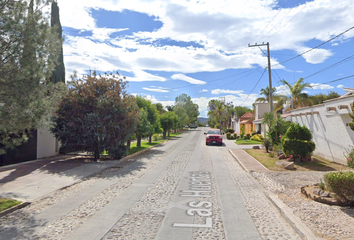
column 245, row 121
column 247, row 116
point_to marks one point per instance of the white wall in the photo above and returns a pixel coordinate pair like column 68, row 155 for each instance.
column 260, row 110
column 47, row 144
column 329, row 130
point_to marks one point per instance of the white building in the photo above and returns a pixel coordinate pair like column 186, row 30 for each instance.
column 328, row 124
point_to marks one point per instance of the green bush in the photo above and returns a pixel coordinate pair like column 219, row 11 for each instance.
column 297, row 141
column 341, row 183
column 257, row 137
column 266, row 143
column 349, row 155
column 248, row 136
column 228, row 135
column 234, row 136
column 230, row 130
column 241, row 135
column 155, row 137
column 271, row 154
column 217, row 126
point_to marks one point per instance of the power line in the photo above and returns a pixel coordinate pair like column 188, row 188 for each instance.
column 254, row 87
column 339, row 79
column 332, row 66
column 315, row 47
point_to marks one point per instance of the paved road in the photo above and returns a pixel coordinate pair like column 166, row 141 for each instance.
column 182, row 189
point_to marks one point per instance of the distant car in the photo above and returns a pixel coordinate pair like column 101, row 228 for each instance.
column 213, row 136
column 193, row 126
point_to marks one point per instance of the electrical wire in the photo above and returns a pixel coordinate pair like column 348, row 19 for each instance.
column 315, row 47
column 332, row 66
column 253, row 87
column 339, row 79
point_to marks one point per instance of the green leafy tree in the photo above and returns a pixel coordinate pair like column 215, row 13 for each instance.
column 28, row 51
column 167, row 122
column 97, row 115
column 191, row 111
column 59, row 70
column 319, row 98
column 160, row 108
column 240, row 111
column 149, row 121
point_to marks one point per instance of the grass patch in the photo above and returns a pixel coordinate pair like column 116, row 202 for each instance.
column 320, row 165
column 7, row 203
column 145, row 144
column 242, row 141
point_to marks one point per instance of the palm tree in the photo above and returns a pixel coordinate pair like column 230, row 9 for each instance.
column 216, row 108
column 299, row 98
column 280, row 99
column 266, row 93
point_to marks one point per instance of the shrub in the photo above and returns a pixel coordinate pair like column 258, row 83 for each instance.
column 349, row 155
column 234, row 136
column 341, row 183
column 228, row 135
column 266, row 143
column 271, row 154
column 155, row 137
column 230, row 130
column 241, row 135
column 217, row 126
column 257, row 137
column 297, row 141
column 248, row 136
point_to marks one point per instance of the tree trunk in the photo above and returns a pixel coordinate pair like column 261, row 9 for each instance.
column 168, row 133
column 138, row 141
column 164, row 135
column 128, row 144
column 150, row 136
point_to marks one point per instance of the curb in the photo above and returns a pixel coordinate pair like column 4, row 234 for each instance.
column 14, row 208
column 244, row 168
column 294, row 221
column 286, row 212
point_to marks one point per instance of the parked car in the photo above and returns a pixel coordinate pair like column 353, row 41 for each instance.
column 213, row 136
column 193, row 125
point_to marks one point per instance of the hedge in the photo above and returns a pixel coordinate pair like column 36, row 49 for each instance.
column 341, row 183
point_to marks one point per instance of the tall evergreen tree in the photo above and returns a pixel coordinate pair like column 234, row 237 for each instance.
column 26, row 99
column 59, row 70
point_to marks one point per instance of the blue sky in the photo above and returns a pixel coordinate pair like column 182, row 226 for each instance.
column 200, row 47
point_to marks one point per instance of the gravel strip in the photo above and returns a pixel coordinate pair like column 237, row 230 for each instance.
column 269, row 222
column 328, row 222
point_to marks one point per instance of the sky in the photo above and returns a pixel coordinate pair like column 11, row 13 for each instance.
column 201, row 47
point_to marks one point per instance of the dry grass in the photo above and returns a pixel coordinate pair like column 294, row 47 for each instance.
column 320, row 165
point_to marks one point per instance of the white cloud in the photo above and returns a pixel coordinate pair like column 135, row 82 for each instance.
column 340, row 86
column 204, row 90
column 282, row 90
column 161, row 90
column 315, row 56
column 221, row 91
column 320, row 86
column 142, row 76
column 187, row 79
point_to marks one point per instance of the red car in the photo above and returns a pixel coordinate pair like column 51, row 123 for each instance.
column 213, row 136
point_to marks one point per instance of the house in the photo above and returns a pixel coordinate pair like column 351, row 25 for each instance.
column 328, row 124
column 246, row 122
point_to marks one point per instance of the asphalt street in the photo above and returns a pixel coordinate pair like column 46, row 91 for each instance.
column 181, row 189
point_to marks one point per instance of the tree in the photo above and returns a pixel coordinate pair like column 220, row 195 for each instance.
column 150, row 125
column 298, row 97
column 97, row 115
column 28, row 51
column 319, row 98
column 160, row 108
column 240, row 111
column 191, row 111
column 266, row 93
column 216, row 108
column 167, row 122
column 59, row 71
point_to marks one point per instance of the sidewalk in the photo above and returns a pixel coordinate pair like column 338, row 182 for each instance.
column 248, row 163
column 30, row 180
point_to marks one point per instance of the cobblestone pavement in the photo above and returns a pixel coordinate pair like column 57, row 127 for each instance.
column 144, row 218
column 328, row 222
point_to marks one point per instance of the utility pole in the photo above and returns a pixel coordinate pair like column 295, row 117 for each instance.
column 270, row 74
